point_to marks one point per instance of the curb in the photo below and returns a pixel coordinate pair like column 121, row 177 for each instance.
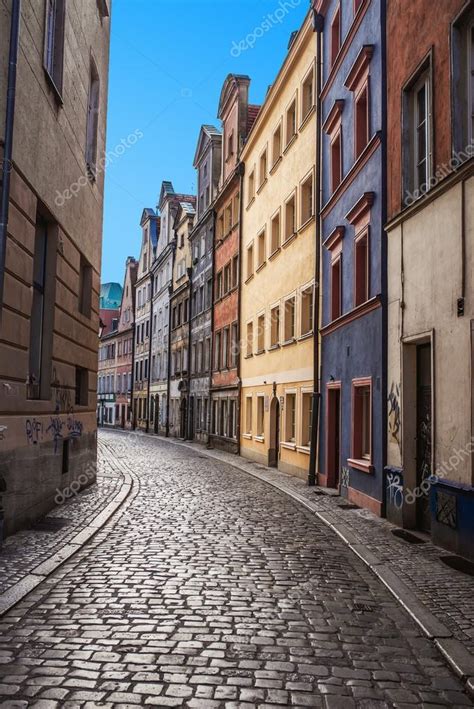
column 30, row 581
column 454, row 652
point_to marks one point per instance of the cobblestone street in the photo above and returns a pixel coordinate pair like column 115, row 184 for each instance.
column 209, row 588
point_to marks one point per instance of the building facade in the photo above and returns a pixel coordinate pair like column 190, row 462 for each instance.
column 124, row 352
column 179, row 303
column 150, row 225
column 353, row 327
column 278, row 266
column 430, row 474
column 237, row 117
column 109, row 316
column 50, row 248
column 207, row 162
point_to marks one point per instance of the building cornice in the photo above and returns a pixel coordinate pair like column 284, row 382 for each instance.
column 359, row 67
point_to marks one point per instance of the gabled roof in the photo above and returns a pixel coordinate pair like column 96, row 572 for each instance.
column 252, row 113
column 147, row 213
column 232, row 80
column 206, row 134
column 167, row 190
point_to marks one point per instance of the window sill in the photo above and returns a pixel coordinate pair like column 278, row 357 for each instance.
column 259, row 352
column 360, row 464
column 250, row 203
column 259, row 268
column 247, row 436
column 248, row 356
column 289, row 239
column 303, row 449
column 306, row 336
column 249, row 278
column 260, row 439
column 262, row 185
column 275, row 165
column 290, row 143
column 289, row 342
column 273, row 347
column 306, row 223
column 288, row 445
column 307, row 118
column 274, row 254
column 52, row 85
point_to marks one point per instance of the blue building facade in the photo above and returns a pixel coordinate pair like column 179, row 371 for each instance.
column 353, row 212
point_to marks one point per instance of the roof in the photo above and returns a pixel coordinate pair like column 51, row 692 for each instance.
column 206, row 134
column 231, row 81
column 252, row 113
column 110, row 296
column 148, row 213
column 167, row 190
column 107, row 316
column 188, row 207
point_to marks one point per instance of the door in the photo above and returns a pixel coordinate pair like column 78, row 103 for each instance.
column 191, row 418
column 122, row 411
column 423, row 435
column 157, row 413
column 274, row 448
column 333, row 437
column 182, row 421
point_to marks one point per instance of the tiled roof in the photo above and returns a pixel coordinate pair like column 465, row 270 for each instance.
column 252, row 113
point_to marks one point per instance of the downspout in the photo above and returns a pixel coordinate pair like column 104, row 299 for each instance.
column 211, row 353
column 168, row 378
column 318, row 26
column 190, row 337
column 150, row 331
column 241, row 173
column 8, row 137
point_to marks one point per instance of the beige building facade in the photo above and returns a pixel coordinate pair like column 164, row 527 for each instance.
column 52, row 251
column 277, row 267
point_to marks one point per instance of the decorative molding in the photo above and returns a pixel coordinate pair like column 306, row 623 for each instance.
column 334, row 238
column 353, row 314
column 359, row 67
column 333, row 116
column 360, row 208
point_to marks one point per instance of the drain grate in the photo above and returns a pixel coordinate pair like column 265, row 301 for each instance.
column 51, row 524
column 458, row 563
column 407, row 536
column 362, row 608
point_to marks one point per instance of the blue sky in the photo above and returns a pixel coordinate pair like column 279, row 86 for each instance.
column 168, row 60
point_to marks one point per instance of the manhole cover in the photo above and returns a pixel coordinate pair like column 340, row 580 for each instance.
column 348, row 506
column 459, row 564
column 51, row 524
column 407, row 536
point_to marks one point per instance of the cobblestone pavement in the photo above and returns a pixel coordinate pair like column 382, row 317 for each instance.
column 447, row 593
column 211, row 589
column 23, row 551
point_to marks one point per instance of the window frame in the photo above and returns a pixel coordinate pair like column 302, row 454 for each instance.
column 358, row 460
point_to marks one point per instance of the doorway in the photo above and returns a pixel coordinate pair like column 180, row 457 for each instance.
column 423, row 435
column 274, row 449
column 182, row 419
column 157, row 413
column 333, row 435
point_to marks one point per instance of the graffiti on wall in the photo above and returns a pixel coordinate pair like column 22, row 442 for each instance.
column 58, row 428
column 394, row 414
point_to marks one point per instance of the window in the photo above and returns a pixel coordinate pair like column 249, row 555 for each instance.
column 275, row 233
column 308, row 94
column 248, row 415
column 290, row 418
column 234, row 351
column 362, row 420
column 230, row 145
column 194, row 358
column 263, row 167
column 261, row 333
column 275, row 326
column 249, row 339
column 336, row 161
column 232, row 418
column 207, row 354
column 335, row 34
column 261, row 249
column 289, row 319
column 235, row 271
column 276, row 146
column 463, row 82
column 228, row 218
column 42, row 311
column 251, row 185
column 85, row 287
column 81, row 392
column 307, row 311
column 336, row 288
column 361, row 111
column 219, row 286
column 307, row 199
column 217, row 351
column 54, row 42
column 225, row 348
column 227, row 284
column 260, row 415
column 220, row 226
column 93, row 123
column 307, row 406
column 291, row 122
column 236, row 208
column 250, row 261
column 290, row 217
column 418, row 135
column 361, row 264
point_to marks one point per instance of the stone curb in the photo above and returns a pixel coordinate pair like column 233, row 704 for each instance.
column 454, row 652
column 22, row 588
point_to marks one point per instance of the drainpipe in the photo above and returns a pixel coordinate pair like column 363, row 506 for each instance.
column 8, row 137
column 190, row 337
column 318, row 26
column 241, row 173
column 168, row 379
column 211, row 345
column 150, row 332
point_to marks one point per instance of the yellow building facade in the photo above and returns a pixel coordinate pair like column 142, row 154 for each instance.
column 278, row 266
